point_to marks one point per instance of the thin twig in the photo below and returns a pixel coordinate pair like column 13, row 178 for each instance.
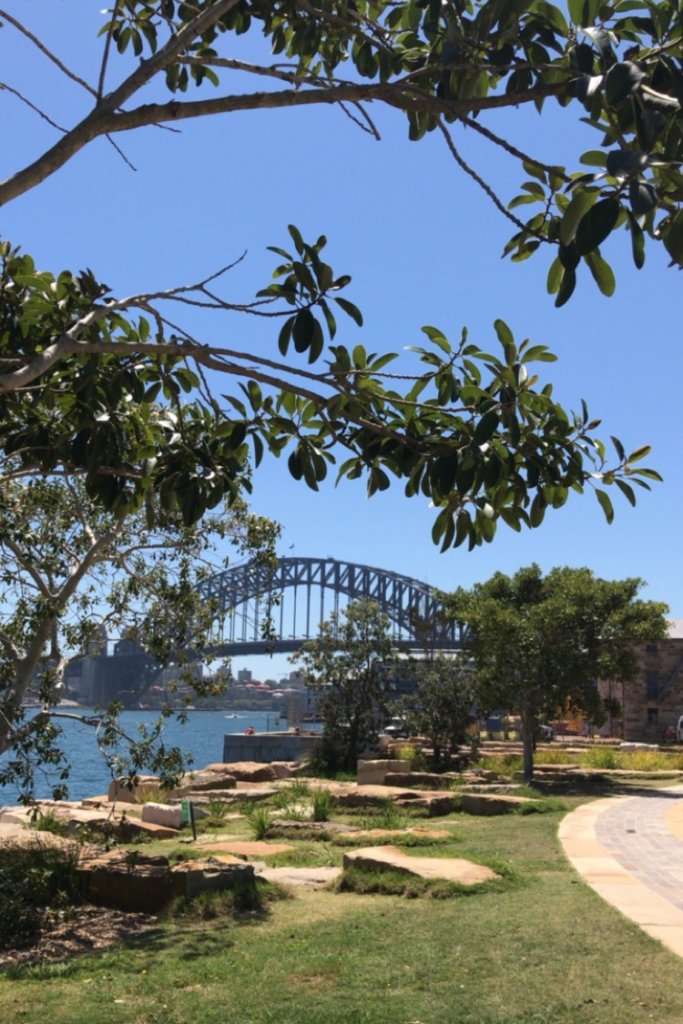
column 483, row 185
column 48, row 53
column 37, row 110
column 121, row 153
column 105, row 54
column 512, row 150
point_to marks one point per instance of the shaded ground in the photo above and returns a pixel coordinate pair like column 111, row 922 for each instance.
column 86, row 930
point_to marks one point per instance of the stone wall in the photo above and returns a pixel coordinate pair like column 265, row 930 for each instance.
column 268, row 746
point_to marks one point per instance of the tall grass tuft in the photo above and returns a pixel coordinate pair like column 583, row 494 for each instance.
column 322, row 805
column 259, row 820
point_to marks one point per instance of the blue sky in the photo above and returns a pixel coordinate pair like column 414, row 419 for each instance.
column 423, row 245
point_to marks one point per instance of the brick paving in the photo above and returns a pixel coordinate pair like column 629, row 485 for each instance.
column 630, row 851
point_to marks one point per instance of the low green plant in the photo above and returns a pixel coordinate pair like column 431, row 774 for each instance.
column 601, row 757
column 49, row 822
column 288, row 805
column 151, row 795
column 259, row 820
column 504, row 764
column 298, row 788
column 322, row 805
column 557, row 756
column 244, row 898
column 414, row 755
column 394, row 883
column 217, row 809
column 33, row 878
column 544, row 805
column 388, row 816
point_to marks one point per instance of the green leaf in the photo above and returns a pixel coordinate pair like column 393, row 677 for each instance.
column 486, row 427
column 621, row 80
column 303, row 330
column 438, row 337
column 580, row 204
column 627, row 491
column 605, row 504
column 594, row 158
column 296, row 238
column 285, row 335
column 672, row 234
column 639, row 453
column 603, row 274
column 555, row 275
column 596, row 225
column 351, row 310
column 566, row 288
column 505, row 336
column 637, row 241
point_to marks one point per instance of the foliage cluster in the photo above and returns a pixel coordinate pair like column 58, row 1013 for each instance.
column 538, row 644
column 348, row 667
column 72, row 575
column 36, row 880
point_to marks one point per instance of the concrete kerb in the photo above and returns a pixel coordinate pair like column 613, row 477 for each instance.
column 613, row 882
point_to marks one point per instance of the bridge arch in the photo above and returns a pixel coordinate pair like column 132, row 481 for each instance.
column 247, row 594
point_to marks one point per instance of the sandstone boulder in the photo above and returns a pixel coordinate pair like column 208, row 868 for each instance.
column 120, row 793
column 250, row 771
column 170, row 815
column 214, row 778
column 373, row 773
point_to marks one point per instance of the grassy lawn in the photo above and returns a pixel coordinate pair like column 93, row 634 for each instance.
column 537, row 948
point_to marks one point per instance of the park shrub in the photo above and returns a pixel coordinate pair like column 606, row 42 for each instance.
column 35, row 878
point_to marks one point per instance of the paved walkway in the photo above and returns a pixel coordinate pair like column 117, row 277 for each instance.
column 630, row 851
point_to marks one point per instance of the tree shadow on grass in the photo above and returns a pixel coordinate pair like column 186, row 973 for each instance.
column 602, row 785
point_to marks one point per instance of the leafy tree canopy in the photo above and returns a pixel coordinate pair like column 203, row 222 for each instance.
column 539, row 643
column 474, row 431
column 71, row 570
column 346, row 667
column 443, row 705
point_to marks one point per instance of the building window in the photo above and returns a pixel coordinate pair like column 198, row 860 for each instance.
column 650, row 648
column 652, row 685
column 652, row 716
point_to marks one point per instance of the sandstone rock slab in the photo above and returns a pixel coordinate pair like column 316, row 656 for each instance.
column 414, row 780
column 450, row 869
column 308, row 878
column 490, row 803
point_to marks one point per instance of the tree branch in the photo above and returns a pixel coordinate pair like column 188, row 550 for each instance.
column 105, row 120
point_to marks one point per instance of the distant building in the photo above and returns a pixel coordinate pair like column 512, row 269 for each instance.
column 652, row 704
column 122, row 676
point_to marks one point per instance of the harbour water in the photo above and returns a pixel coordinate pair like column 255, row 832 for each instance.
column 200, row 738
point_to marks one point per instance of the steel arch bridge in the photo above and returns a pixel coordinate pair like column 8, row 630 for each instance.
column 300, row 593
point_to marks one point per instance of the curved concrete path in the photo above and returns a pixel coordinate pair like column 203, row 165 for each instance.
column 630, row 851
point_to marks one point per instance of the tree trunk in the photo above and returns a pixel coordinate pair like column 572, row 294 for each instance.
column 528, row 722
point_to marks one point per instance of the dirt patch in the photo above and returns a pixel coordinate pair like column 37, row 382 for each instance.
column 87, row 930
